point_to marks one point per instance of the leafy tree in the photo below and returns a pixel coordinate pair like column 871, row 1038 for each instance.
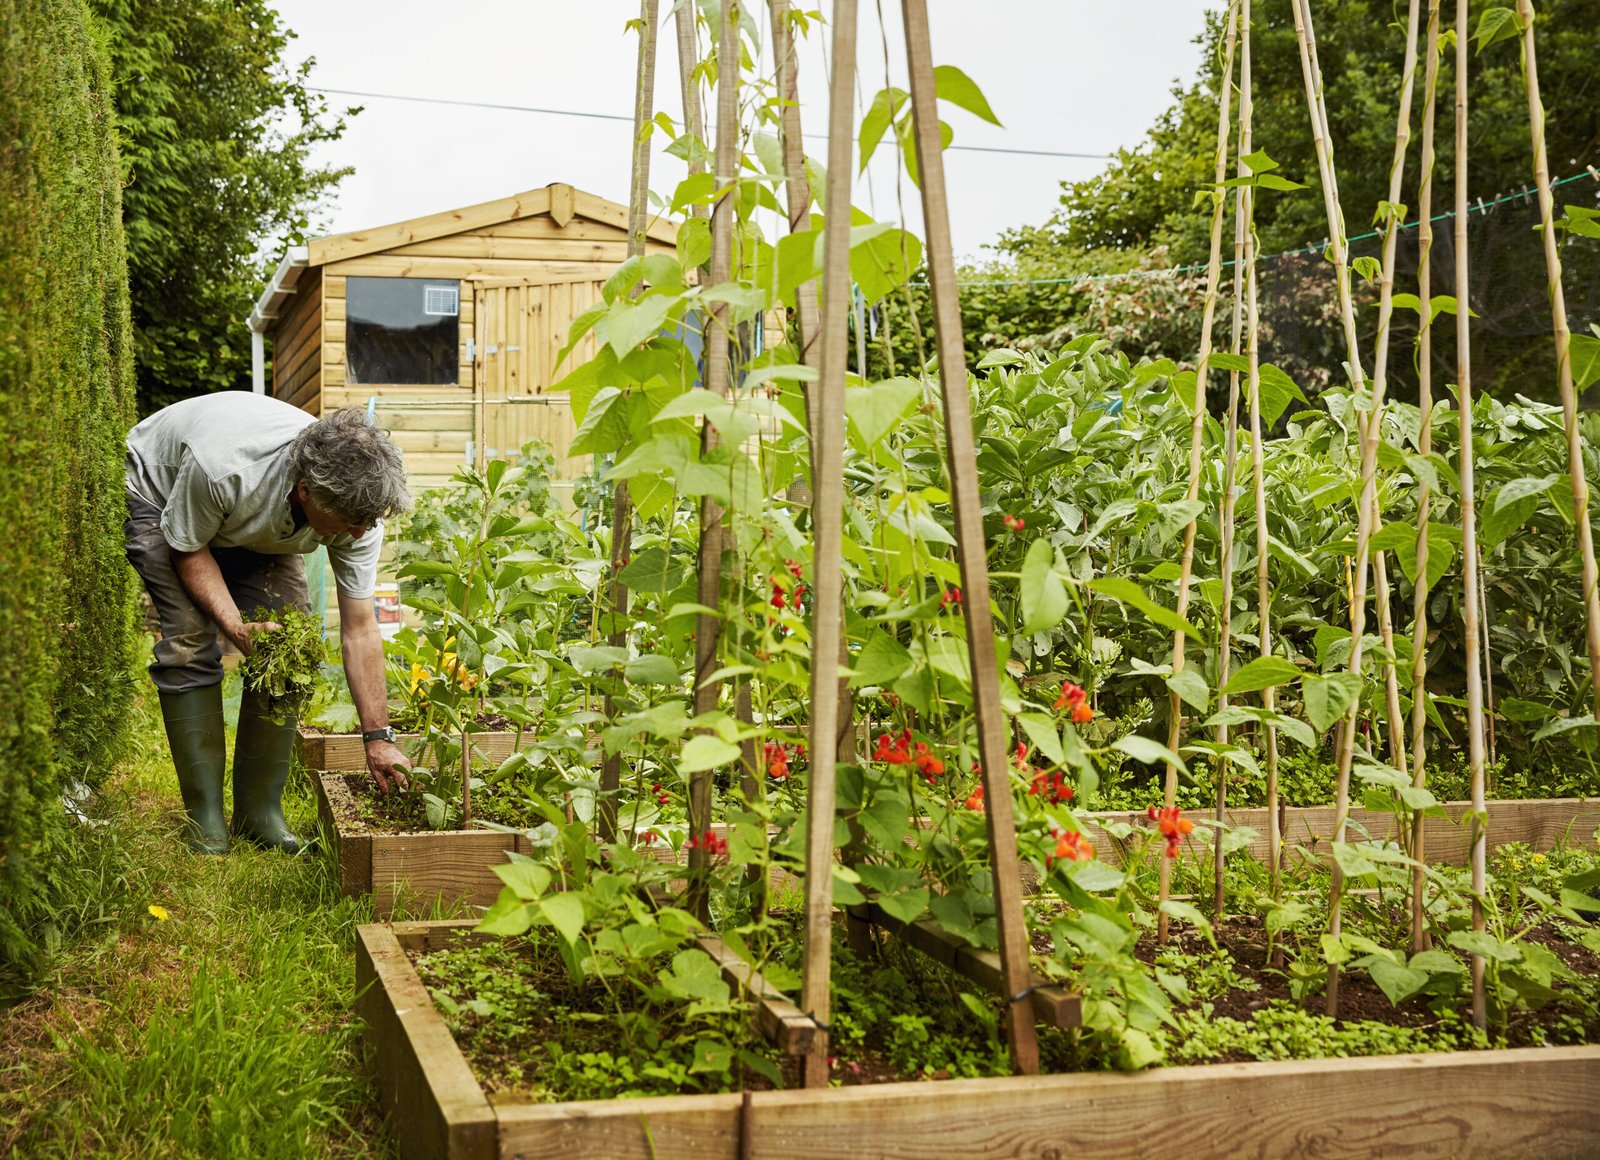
column 1146, row 196
column 216, row 134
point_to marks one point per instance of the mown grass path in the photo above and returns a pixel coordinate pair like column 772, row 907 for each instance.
column 223, row 1029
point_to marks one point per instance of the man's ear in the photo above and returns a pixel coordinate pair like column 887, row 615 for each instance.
column 301, row 491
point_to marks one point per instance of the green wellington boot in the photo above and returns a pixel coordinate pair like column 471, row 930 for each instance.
column 199, row 752
column 261, row 752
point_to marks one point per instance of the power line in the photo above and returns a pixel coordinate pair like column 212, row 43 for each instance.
column 629, row 120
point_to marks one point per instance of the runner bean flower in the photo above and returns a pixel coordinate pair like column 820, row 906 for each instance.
column 1173, row 826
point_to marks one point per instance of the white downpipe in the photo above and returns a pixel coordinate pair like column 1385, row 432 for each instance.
column 258, row 362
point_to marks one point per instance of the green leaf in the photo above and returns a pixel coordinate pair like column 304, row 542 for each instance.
column 1330, row 697
column 873, row 411
column 694, row 242
column 882, row 260
column 1223, row 361
column 508, row 916
column 1121, row 589
column 880, row 114
column 1041, row 730
column 1565, row 725
column 1584, row 354
column 1481, row 942
column 1186, row 912
column 1397, row 982
column 1262, row 673
column 1044, row 595
column 705, row 751
column 882, row 661
column 1148, row 751
column 565, row 913
column 907, row 906
column 605, row 425
column 1495, row 25
column 1275, row 391
column 653, row 669
column 955, row 86
column 1191, row 688
column 527, row 880
column 627, row 324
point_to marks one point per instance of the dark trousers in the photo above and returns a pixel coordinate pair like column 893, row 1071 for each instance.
column 189, row 653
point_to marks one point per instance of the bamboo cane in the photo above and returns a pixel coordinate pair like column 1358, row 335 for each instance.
column 827, row 529
column 1558, row 312
column 1380, row 368
column 797, row 190
column 1469, row 513
column 970, row 547
column 621, row 504
column 1370, row 433
column 1258, row 484
column 1419, row 599
column 1243, row 221
column 1197, row 428
column 708, row 628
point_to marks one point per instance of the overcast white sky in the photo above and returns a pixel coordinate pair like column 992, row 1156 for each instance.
column 1082, row 76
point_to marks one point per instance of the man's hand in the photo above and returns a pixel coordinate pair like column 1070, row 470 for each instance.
column 243, row 635
column 386, row 761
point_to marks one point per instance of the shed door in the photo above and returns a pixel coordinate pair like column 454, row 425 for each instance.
column 520, row 328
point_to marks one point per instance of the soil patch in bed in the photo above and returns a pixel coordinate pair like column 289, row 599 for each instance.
column 359, row 807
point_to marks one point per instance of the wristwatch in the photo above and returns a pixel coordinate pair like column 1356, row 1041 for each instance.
column 384, row 734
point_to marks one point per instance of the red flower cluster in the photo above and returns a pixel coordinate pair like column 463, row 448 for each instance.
column 711, row 842
column 662, row 797
column 1013, row 523
column 778, row 758
column 1071, row 846
column 974, row 799
column 927, row 764
column 648, row 837
column 1074, row 697
column 781, row 596
column 952, row 595
column 1173, row 826
column 894, row 750
column 1020, row 758
column 1052, row 787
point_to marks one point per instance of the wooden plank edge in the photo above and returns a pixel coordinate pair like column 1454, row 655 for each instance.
column 1521, row 1101
column 777, row 1017
column 1053, row 1005
column 434, row 1104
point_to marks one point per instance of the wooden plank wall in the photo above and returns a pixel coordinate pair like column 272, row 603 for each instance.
column 296, row 341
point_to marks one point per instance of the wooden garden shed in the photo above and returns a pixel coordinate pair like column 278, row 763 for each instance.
column 447, row 327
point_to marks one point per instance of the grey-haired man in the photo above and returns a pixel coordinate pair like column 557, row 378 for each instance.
column 226, row 492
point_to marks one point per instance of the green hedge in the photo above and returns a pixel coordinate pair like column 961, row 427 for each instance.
column 65, row 404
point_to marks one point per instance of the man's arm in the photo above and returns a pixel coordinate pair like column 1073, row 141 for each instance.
column 362, row 646
column 202, row 579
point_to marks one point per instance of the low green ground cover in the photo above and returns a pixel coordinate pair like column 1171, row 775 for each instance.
column 194, row 1006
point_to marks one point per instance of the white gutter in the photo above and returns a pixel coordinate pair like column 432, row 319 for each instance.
column 285, row 280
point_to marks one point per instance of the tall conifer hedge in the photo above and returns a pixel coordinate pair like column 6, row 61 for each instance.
column 65, row 405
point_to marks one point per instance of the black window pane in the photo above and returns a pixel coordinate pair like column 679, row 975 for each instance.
column 402, row 330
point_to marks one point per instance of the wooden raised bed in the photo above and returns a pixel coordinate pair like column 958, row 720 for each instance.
column 1543, row 823
column 451, row 867
column 346, row 751
column 1526, row 1101
column 454, row 867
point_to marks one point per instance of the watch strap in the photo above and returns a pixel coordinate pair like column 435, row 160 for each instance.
column 384, row 734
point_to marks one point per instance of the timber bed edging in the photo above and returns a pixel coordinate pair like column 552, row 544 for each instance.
column 1532, row 1101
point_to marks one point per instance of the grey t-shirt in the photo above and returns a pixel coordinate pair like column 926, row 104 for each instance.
column 218, row 468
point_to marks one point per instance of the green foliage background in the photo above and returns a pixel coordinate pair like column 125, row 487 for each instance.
column 66, row 389
column 215, row 133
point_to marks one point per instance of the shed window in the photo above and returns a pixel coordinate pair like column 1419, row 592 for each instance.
column 402, row 330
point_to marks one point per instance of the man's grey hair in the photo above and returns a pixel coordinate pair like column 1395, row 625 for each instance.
column 351, row 468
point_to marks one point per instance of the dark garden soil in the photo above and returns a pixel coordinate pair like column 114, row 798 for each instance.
column 359, row 807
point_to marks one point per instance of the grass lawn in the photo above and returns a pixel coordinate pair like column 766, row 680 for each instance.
column 222, row 1029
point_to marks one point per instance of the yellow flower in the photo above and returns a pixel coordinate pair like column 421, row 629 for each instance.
column 159, row 913
column 1537, row 859
column 418, row 675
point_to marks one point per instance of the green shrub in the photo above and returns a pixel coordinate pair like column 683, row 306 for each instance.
column 65, row 392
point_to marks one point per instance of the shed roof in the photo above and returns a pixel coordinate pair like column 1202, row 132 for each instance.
column 560, row 201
